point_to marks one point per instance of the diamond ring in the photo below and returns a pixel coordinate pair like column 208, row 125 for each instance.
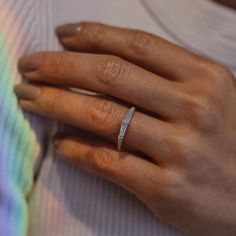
column 124, row 125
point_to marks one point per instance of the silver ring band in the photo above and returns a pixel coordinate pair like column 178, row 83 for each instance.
column 124, row 125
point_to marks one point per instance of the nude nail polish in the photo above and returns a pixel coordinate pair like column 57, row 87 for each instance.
column 30, row 62
column 27, row 91
column 67, row 30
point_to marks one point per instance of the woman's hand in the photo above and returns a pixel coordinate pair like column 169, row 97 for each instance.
column 185, row 123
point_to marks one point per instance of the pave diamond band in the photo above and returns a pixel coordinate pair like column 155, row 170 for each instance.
column 124, row 125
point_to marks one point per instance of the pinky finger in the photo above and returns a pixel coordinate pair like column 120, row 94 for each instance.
column 131, row 172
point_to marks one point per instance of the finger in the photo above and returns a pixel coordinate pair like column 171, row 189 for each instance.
column 96, row 114
column 108, row 75
column 128, row 170
column 147, row 50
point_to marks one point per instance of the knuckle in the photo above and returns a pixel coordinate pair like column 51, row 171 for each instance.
column 176, row 185
column 183, row 146
column 111, row 71
column 97, row 33
column 140, row 42
column 53, row 101
column 218, row 73
column 56, row 65
column 102, row 161
column 100, row 112
column 179, row 145
column 205, row 112
column 154, row 176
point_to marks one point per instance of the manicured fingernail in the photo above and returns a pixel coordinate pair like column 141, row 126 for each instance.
column 67, row 30
column 30, row 62
column 27, row 91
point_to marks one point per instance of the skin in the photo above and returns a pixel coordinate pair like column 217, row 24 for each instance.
column 179, row 150
column 228, row 3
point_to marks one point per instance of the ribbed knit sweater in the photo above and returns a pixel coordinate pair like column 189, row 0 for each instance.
column 41, row 195
column 19, row 146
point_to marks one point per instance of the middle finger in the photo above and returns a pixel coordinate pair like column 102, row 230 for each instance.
column 108, row 75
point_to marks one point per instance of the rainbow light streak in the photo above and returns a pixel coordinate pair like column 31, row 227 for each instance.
column 18, row 146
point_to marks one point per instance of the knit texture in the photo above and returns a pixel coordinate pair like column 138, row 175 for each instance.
column 19, row 147
column 65, row 200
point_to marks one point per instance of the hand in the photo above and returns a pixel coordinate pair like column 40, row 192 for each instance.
column 185, row 123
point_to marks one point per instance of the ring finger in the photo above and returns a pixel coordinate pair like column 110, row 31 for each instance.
column 98, row 115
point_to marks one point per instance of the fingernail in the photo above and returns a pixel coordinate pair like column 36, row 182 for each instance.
column 30, row 62
column 27, row 91
column 67, row 30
